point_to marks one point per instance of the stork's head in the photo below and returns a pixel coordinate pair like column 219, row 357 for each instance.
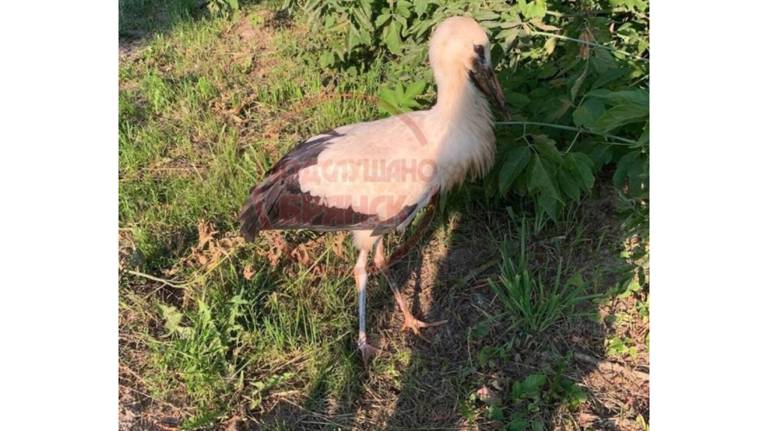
column 459, row 47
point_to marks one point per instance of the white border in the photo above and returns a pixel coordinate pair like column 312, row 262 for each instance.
column 58, row 174
column 708, row 215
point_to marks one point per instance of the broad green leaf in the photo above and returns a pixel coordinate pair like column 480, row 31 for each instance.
column 486, row 16
column 421, row 28
column 511, row 19
column 392, row 37
column 399, row 92
column 630, row 5
column 533, row 9
column 557, row 108
column 577, row 396
column 568, row 184
column 366, row 5
column 547, row 71
column 399, row 99
column 326, row 59
column 534, row 382
column 517, row 424
column 548, row 149
column 521, row 183
column 353, row 38
column 514, row 164
column 541, row 179
column 420, row 6
column 388, row 101
column 402, row 19
column 609, row 76
column 365, row 37
column 581, row 165
column 495, row 413
column 638, row 97
column 518, row 100
column 629, row 97
column 637, row 176
column 601, row 155
column 329, row 21
column 621, row 115
column 601, row 93
column 550, row 205
column 382, row 19
column 415, row 88
column 623, row 165
column 587, row 114
column 363, row 19
column 403, row 8
column 603, row 61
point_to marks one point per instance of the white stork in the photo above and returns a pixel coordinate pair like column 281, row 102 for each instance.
column 373, row 177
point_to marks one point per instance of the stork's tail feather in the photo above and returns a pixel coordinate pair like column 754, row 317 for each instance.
column 252, row 217
column 250, row 220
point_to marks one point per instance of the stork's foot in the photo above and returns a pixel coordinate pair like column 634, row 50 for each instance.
column 416, row 325
column 368, row 352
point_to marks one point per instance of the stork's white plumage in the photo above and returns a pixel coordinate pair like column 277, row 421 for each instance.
column 373, row 177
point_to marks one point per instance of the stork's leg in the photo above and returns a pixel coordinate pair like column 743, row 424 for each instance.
column 361, row 280
column 409, row 322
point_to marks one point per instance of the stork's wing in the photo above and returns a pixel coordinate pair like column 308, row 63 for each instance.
column 371, row 175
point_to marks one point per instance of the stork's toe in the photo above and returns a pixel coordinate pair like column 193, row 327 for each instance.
column 416, row 325
column 368, row 352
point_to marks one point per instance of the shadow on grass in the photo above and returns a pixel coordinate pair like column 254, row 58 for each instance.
column 539, row 380
column 140, row 19
column 531, row 376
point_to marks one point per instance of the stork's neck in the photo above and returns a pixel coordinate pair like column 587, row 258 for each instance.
column 462, row 108
column 466, row 145
column 458, row 99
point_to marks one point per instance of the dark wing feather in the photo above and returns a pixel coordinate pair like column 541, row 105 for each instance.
column 279, row 203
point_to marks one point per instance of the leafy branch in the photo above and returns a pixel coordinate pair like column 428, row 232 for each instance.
column 588, row 43
column 570, row 128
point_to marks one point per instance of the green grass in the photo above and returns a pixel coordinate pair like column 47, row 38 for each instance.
column 525, row 295
column 182, row 161
column 247, row 333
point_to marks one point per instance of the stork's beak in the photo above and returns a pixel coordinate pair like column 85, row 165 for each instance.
column 485, row 80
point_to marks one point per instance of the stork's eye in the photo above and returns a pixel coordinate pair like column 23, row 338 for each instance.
column 480, row 51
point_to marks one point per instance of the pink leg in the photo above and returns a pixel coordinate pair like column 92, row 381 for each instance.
column 361, row 280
